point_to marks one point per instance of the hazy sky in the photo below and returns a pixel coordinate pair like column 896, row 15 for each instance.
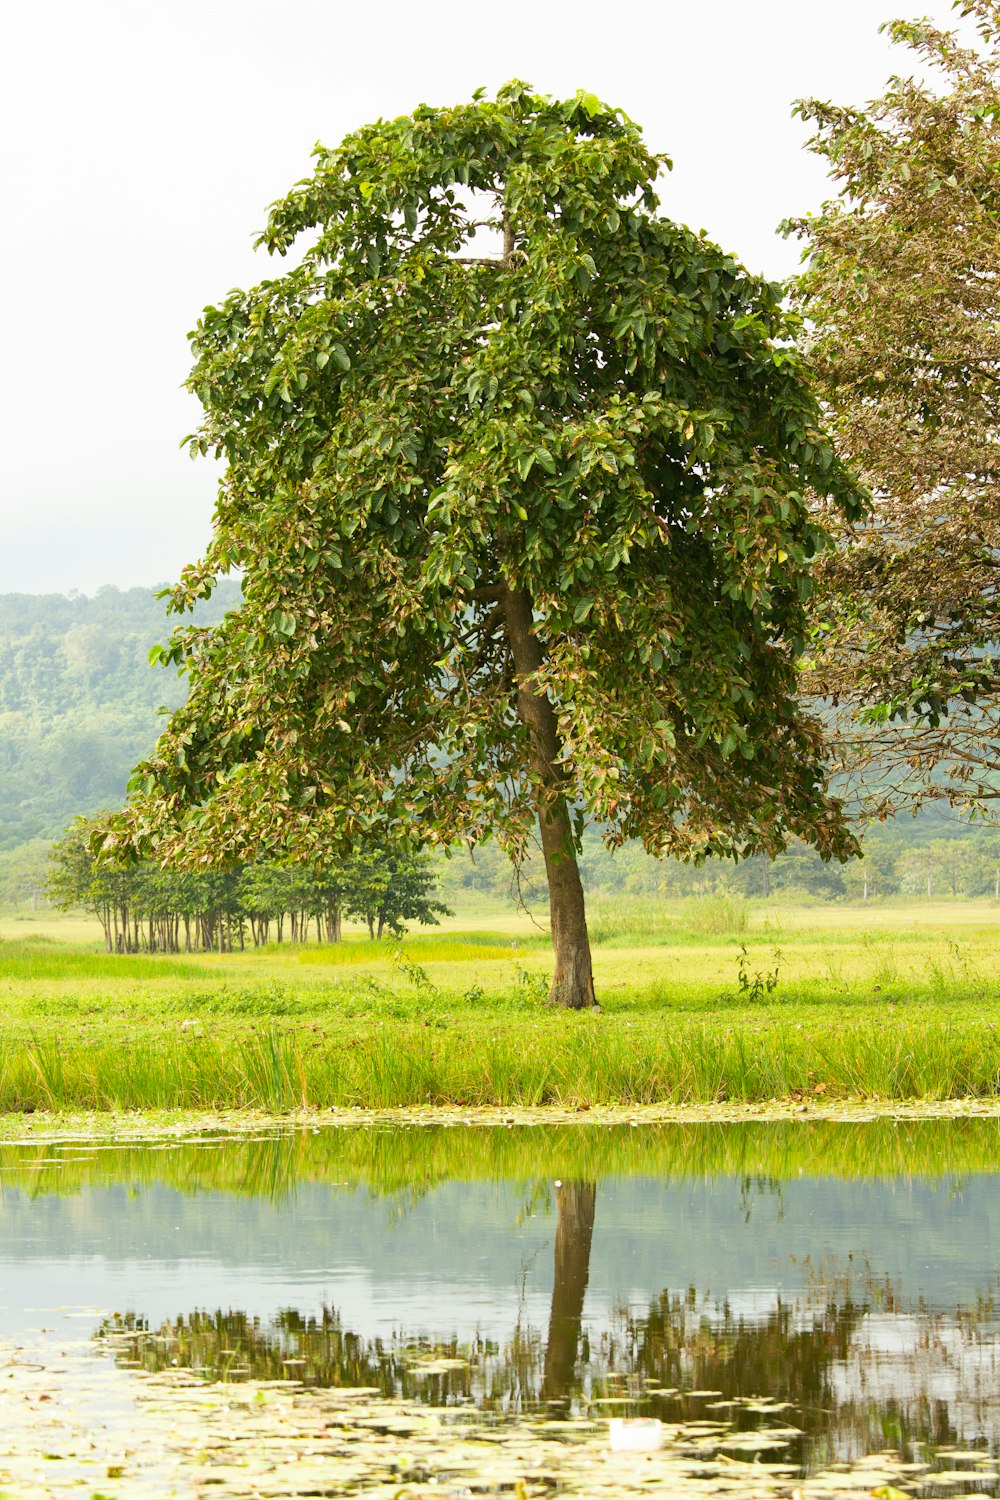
column 142, row 142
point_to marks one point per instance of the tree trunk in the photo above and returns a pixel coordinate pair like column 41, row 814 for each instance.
column 573, row 981
column 574, row 1231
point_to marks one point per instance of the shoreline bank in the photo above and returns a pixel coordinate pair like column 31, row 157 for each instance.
column 112, row 1127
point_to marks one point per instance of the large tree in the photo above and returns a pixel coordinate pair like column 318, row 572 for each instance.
column 518, row 477
column 901, row 291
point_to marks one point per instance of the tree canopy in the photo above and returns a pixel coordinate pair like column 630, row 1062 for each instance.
column 519, row 478
column 902, row 295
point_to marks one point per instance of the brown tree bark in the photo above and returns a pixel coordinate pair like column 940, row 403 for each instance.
column 573, row 981
column 576, row 1202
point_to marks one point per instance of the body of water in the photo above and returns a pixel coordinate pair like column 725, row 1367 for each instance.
column 754, row 1276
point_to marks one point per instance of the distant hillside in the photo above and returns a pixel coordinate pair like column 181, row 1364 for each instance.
column 78, row 701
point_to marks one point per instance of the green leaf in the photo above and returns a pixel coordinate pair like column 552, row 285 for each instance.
column 340, row 357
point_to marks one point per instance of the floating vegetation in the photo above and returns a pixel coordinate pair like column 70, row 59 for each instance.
column 172, row 1432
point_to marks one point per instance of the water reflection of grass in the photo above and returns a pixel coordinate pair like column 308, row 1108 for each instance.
column 392, row 1161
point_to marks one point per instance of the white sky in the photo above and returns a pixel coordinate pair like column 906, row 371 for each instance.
column 142, row 142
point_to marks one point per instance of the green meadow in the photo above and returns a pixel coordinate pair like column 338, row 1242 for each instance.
column 701, row 1002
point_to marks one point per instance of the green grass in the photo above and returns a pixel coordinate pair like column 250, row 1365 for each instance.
column 571, row 1061
column 420, row 948
column 889, row 1007
column 44, row 959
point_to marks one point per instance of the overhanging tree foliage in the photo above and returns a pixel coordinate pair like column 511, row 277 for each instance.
column 902, row 294
column 523, row 522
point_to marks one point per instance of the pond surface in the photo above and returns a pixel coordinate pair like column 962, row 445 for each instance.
column 813, row 1293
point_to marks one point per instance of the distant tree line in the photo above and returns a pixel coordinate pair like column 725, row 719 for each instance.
column 146, row 908
column 932, row 856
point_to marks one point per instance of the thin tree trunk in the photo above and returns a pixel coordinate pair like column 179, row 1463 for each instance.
column 573, row 981
column 576, row 1202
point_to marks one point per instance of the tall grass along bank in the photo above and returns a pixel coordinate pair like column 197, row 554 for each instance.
column 593, row 1061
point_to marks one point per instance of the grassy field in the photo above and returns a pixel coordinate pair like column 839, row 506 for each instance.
column 703, row 1001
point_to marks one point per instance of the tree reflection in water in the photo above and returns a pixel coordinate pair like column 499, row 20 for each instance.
column 860, row 1373
column 575, row 1202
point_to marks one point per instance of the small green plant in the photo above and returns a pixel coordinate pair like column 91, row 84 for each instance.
column 755, row 984
column 414, row 972
column 834, row 965
column 531, row 986
column 46, row 1058
column 885, row 971
column 273, row 1072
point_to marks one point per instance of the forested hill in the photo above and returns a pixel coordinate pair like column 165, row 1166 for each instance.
column 78, row 702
